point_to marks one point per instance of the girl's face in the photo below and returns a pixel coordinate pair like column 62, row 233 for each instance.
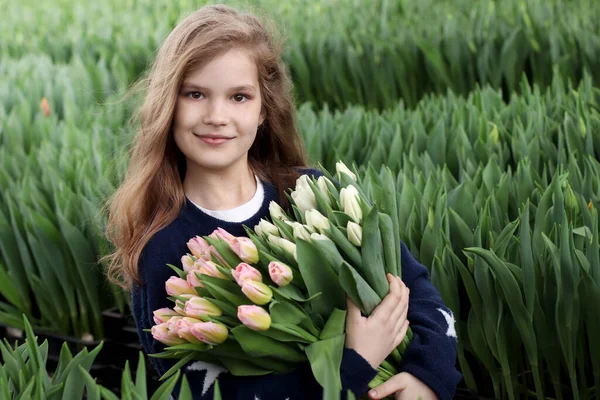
column 218, row 112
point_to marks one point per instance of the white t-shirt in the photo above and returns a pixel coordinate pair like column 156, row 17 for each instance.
column 243, row 212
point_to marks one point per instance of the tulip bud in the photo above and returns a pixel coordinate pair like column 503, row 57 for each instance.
column 210, row 268
column 571, row 202
column 283, row 244
column 280, row 273
column 354, row 233
column 212, row 333
column 184, row 329
column 198, row 307
column 162, row 315
column 172, row 324
column 341, row 168
column 187, row 262
column 254, row 317
column 245, row 249
column 223, row 234
column 176, row 286
column 322, row 184
column 277, row 212
column 317, row 221
column 193, row 279
column 180, row 302
column 300, row 232
column 318, row 236
column 265, row 228
column 197, row 246
column 244, row 272
column 303, row 196
column 162, row 334
column 349, row 199
column 257, row 292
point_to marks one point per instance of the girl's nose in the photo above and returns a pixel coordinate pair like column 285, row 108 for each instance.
column 216, row 114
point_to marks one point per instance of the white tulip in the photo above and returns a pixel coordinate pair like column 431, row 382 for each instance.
column 354, row 233
column 317, row 221
column 340, row 167
column 349, row 199
column 265, row 228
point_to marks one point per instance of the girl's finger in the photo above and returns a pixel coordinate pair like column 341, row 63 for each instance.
column 385, row 308
column 391, row 386
column 353, row 312
column 402, row 333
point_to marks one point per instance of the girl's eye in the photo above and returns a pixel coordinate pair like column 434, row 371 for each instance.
column 239, row 98
column 194, row 95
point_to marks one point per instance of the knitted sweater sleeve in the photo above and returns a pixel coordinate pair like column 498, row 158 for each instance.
column 431, row 356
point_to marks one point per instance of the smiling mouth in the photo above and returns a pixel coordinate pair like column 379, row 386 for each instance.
column 213, row 140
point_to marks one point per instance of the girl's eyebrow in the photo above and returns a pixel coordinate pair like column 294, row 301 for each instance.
column 191, row 86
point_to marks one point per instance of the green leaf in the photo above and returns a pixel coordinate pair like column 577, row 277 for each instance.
column 325, row 357
column 319, row 278
column 257, row 345
column 372, row 254
column 358, row 289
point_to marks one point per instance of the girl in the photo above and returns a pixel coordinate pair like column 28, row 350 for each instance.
column 217, row 143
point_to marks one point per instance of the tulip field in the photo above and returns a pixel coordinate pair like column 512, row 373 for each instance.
column 479, row 119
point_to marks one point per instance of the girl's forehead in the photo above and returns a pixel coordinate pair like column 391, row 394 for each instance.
column 235, row 67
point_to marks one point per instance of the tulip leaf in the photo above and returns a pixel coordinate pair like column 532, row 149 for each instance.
column 255, row 344
column 319, row 277
column 181, row 273
column 290, row 292
column 351, row 253
column 224, row 290
column 358, row 289
column 230, row 258
column 165, row 390
column 372, row 254
column 335, row 325
column 388, row 240
column 325, row 357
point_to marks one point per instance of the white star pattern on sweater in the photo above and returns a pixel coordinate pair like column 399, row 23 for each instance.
column 450, row 320
column 212, row 372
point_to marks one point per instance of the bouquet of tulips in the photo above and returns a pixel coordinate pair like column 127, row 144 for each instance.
column 267, row 302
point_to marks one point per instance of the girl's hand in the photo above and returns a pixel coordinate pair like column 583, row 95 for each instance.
column 403, row 386
column 375, row 337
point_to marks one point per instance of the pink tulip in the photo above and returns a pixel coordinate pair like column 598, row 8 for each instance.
column 172, row 324
column 176, row 286
column 163, row 315
column 198, row 246
column 254, row 317
column 210, row 332
column 245, row 249
column 162, row 334
column 180, row 302
column 244, row 272
column 198, row 307
column 280, row 273
column 258, row 292
column 187, row 262
column 193, row 280
column 209, row 268
column 184, row 329
column 223, row 234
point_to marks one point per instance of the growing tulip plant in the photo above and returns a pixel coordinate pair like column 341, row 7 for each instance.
column 267, row 302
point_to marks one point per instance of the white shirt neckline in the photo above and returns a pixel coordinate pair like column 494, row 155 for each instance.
column 240, row 213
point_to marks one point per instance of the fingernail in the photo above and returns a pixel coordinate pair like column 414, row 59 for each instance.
column 373, row 393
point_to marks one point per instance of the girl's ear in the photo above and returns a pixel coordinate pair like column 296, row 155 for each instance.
column 262, row 118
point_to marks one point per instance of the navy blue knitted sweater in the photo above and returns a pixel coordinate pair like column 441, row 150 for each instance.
column 430, row 357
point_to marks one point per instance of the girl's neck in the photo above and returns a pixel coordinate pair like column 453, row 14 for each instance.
column 219, row 190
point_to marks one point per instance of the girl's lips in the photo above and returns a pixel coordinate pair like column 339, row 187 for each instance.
column 213, row 141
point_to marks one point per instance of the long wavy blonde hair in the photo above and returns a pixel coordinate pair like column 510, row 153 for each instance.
column 151, row 194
